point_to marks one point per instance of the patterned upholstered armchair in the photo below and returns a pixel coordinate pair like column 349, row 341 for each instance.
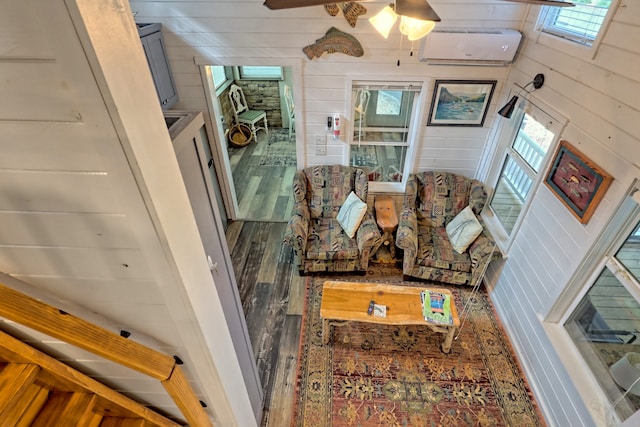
column 431, row 201
column 318, row 240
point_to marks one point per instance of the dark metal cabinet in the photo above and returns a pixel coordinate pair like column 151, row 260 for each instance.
column 154, row 49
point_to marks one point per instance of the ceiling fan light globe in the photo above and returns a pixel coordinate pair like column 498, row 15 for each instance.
column 419, row 9
column 384, row 20
column 415, row 29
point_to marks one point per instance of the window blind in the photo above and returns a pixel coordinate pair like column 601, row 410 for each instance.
column 580, row 23
column 372, row 85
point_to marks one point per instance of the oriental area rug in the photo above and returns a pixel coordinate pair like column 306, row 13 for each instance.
column 280, row 149
column 379, row 375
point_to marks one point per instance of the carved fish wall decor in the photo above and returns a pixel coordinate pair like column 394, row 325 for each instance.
column 334, row 41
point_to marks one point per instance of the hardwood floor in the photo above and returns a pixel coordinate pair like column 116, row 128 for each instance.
column 263, row 191
column 272, row 294
column 271, row 291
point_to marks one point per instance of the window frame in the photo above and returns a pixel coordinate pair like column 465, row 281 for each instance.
column 566, row 44
column 618, row 229
column 241, row 75
column 416, row 123
column 228, row 72
column 504, row 139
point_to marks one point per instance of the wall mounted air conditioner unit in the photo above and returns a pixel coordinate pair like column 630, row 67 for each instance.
column 470, row 46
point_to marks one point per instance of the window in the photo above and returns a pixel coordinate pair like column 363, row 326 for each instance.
column 220, row 75
column 260, row 72
column 528, row 136
column 580, row 24
column 383, row 119
column 388, row 102
column 605, row 325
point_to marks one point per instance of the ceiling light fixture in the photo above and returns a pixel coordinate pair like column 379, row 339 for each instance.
column 417, row 19
column 507, row 110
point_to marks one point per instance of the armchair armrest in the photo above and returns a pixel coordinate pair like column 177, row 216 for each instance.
column 482, row 251
column 368, row 239
column 368, row 236
column 297, row 230
column 407, row 236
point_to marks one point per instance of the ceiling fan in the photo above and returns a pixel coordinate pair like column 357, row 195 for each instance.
column 557, row 3
column 419, row 9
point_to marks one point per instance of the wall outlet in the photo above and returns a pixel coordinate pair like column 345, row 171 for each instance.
column 321, row 145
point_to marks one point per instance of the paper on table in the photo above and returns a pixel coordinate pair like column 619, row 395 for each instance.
column 379, row 310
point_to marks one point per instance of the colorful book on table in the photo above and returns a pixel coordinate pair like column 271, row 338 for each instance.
column 436, row 307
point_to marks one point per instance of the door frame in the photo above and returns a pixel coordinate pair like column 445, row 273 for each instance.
column 185, row 139
column 214, row 122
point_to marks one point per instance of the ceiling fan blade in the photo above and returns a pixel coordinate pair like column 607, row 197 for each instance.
column 419, row 9
column 289, row 4
column 556, row 3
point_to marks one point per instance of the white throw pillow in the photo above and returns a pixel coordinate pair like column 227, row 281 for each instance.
column 351, row 213
column 463, row 230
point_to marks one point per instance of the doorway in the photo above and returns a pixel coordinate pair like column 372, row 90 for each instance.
column 261, row 171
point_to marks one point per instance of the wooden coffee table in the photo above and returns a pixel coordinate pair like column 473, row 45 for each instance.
column 344, row 302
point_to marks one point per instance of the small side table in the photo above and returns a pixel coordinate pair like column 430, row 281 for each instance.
column 387, row 220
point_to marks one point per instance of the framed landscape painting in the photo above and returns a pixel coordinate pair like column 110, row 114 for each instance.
column 460, row 102
column 577, row 182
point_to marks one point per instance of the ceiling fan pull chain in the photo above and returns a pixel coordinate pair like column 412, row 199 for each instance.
column 400, row 49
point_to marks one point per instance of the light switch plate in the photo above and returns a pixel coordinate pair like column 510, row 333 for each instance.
column 321, row 145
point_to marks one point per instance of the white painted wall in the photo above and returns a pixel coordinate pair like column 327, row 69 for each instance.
column 246, row 29
column 96, row 216
column 600, row 97
column 58, row 177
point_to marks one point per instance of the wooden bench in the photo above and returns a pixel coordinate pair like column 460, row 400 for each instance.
column 344, row 302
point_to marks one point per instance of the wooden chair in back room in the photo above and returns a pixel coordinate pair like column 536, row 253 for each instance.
column 243, row 114
column 291, row 112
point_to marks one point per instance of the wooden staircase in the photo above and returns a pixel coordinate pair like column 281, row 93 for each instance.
column 37, row 390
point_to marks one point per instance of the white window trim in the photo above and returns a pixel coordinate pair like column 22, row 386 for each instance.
column 626, row 217
column 571, row 47
column 503, row 239
column 228, row 82
column 237, row 73
column 417, row 124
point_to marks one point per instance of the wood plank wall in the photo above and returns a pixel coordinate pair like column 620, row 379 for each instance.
column 598, row 96
column 74, row 221
column 600, row 99
column 63, row 226
column 246, row 29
